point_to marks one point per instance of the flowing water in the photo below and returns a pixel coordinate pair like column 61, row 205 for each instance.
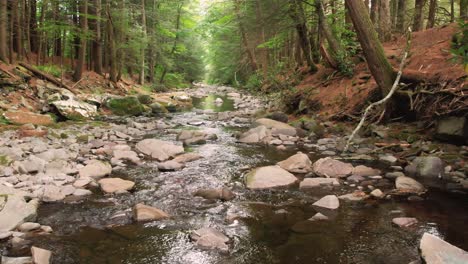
column 272, row 225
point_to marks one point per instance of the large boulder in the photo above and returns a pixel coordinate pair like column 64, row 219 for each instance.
column 75, row 110
column 95, row 169
column 158, row 149
column 453, row 129
column 436, row 251
column 269, row 177
column 426, row 167
column 143, row 212
column 254, row 135
column 277, row 128
column 299, row 163
column 22, row 118
column 330, row 168
column 17, row 211
column 115, row 185
column 129, row 105
column 409, row 185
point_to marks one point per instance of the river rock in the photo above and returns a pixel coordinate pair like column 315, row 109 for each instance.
column 318, row 217
column 269, row 177
column 409, row 185
column 365, row 171
column 52, row 193
column 299, row 163
column 19, row 260
column 329, row 202
column 309, row 183
column 158, row 149
column 170, row 165
column 82, row 192
column 377, row 193
column 224, row 194
column 330, row 168
column 113, row 185
column 453, row 129
column 40, row 256
column 28, row 226
column 353, row 197
column 277, row 128
column 143, row 212
column 191, row 137
column 75, row 110
column 254, row 135
column 404, row 221
column 22, row 118
column 210, row 238
column 128, row 105
column 95, row 169
column 17, row 211
column 188, row 157
column 127, row 155
column 426, row 167
column 32, row 165
column 279, row 116
column 436, row 251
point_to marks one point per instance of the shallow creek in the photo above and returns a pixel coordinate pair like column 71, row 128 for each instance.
column 272, row 225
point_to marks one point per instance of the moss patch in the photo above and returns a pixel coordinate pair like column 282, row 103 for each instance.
column 129, row 105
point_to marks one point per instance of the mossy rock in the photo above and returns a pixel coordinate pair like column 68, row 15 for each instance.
column 145, row 99
column 157, row 108
column 83, row 138
column 129, row 105
column 5, row 160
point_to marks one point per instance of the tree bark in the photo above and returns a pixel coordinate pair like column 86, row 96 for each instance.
column 379, row 66
column 297, row 14
column 452, row 11
column 42, row 34
column 374, row 12
column 82, row 48
column 418, row 22
column 385, row 22
column 97, row 41
column 401, row 16
column 245, row 41
column 261, row 25
column 111, row 42
column 141, row 79
column 176, row 39
column 432, row 14
column 337, row 50
column 33, row 26
column 463, row 9
column 3, row 31
column 16, row 13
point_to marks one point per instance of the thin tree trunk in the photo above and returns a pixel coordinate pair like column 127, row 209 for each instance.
column 401, row 15
column 432, row 14
column 33, row 25
column 82, row 48
column 111, row 42
column 141, row 78
column 374, row 12
column 16, row 12
column 337, row 51
column 418, row 22
column 176, row 39
column 261, row 24
column 26, row 23
column 3, row 31
column 297, row 14
column 245, row 42
column 379, row 66
column 42, row 34
column 95, row 24
column 463, row 9
column 385, row 22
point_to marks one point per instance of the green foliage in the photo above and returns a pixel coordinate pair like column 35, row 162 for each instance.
column 51, row 69
column 126, row 106
column 459, row 47
column 254, row 82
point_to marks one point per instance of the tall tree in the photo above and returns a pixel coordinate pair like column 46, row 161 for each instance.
column 385, row 21
column 112, row 53
column 95, row 24
column 418, row 22
column 176, row 39
column 33, row 26
column 16, row 18
column 464, row 9
column 141, row 78
column 243, row 32
column 432, row 13
column 379, row 66
column 401, row 15
column 3, row 31
column 83, row 40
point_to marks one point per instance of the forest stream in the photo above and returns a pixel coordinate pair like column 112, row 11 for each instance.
column 262, row 226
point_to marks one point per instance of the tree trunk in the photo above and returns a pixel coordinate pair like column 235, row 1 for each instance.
column 337, row 51
column 379, row 66
column 82, row 48
column 16, row 13
column 463, row 9
column 418, row 22
column 176, row 39
column 261, row 25
column 401, row 16
column 42, row 34
column 374, row 12
column 385, row 22
column 297, row 14
column 141, row 79
column 245, row 41
column 432, row 14
column 97, row 40
column 3, row 31
column 33, row 26
column 111, row 42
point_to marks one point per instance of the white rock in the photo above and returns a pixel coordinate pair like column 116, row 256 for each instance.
column 330, row 202
column 40, row 256
column 299, row 163
column 28, row 226
column 330, row 168
column 269, row 177
column 436, row 251
column 158, row 149
column 95, row 169
column 114, row 185
column 317, row 182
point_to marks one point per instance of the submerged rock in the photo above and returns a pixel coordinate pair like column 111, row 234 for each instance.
column 330, row 168
column 404, row 221
column 436, row 251
column 19, row 260
column 188, row 157
column 224, row 194
column 210, row 238
column 299, row 163
column 318, row 217
column 143, row 212
column 426, row 167
column 159, row 149
column 269, row 177
column 254, row 135
column 170, row 165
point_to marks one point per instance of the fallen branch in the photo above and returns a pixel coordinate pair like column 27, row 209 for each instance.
column 386, row 98
column 46, row 76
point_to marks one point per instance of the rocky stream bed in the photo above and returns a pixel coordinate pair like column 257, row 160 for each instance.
column 219, row 184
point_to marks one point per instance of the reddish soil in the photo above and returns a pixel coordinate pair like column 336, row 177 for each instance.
column 429, row 56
